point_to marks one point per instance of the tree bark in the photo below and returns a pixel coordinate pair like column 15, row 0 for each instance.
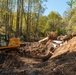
column 17, row 34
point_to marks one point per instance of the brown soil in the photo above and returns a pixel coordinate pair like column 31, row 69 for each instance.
column 28, row 60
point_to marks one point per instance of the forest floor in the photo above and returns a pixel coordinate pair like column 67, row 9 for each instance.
column 28, row 60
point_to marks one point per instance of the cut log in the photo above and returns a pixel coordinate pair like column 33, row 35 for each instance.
column 67, row 37
column 56, row 41
column 45, row 58
column 52, row 35
column 73, row 34
column 60, row 38
column 44, row 41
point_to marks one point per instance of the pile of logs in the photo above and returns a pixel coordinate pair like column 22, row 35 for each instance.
column 55, row 42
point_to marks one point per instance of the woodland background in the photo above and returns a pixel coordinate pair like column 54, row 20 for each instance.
column 25, row 19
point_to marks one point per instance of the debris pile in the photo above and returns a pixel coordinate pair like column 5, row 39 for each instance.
column 50, row 56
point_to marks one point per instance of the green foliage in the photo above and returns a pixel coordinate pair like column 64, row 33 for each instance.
column 61, row 30
column 30, row 17
column 74, row 28
column 71, row 20
column 42, row 24
column 54, row 15
column 54, row 20
column 71, row 3
column 71, row 13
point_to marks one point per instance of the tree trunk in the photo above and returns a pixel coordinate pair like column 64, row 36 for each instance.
column 7, row 19
column 27, row 23
column 17, row 19
column 21, row 16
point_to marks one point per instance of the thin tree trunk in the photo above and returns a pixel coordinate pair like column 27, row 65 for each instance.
column 7, row 19
column 27, row 23
column 21, row 16
column 17, row 20
column 36, row 30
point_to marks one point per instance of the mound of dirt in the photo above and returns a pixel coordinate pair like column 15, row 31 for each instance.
column 27, row 60
column 70, row 46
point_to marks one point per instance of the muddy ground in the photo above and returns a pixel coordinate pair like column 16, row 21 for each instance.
column 27, row 60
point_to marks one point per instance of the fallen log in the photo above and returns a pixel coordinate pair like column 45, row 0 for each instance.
column 44, row 41
column 73, row 34
column 45, row 58
column 52, row 35
column 67, row 37
column 60, row 38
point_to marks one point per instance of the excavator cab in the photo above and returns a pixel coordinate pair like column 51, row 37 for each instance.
column 4, row 39
column 8, row 43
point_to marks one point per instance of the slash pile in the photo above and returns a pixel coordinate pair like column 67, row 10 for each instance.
column 28, row 59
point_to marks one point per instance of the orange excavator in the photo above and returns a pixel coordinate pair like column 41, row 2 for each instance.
column 8, row 43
